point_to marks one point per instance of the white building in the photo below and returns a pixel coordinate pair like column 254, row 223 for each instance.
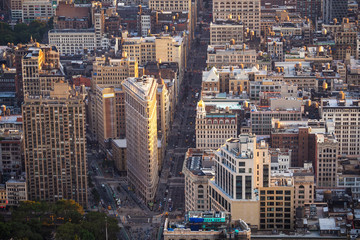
column 38, row 10
column 327, row 150
column 73, row 42
column 150, row 49
column 198, row 168
column 222, row 32
column 242, row 165
column 265, row 85
column 346, row 115
column 16, row 192
column 145, row 24
column 248, row 12
column 170, row 5
column 214, row 128
column 280, row 160
column 276, row 50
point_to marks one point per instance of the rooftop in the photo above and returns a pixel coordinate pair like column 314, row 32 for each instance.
column 327, row 224
column 337, row 103
column 14, row 119
column 210, row 76
column 120, row 143
column 227, row 22
column 143, row 86
column 74, row 31
column 200, row 162
column 215, row 223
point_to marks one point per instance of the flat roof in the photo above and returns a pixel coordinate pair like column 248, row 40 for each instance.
column 327, row 224
column 120, row 143
column 16, row 119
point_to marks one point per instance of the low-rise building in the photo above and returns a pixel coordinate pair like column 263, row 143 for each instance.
column 226, row 32
column 304, row 183
column 3, row 198
column 262, row 118
column 71, row 16
column 249, row 14
column 16, row 191
column 109, row 114
column 207, row 226
column 276, row 206
column 345, row 114
column 265, row 85
column 348, row 175
column 276, row 49
column 213, row 128
column 11, row 163
column 170, row 5
column 73, row 41
column 232, row 80
column 300, row 137
column 328, row 227
column 231, row 55
column 299, row 73
column 327, row 151
column 156, row 48
column 11, row 122
column 353, row 73
column 280, row 159
column 302, row 179
column 118, row 154
column 37, row 10
column 198, row 168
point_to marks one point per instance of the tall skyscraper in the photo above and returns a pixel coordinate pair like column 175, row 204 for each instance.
column 334, row 9
column 141, row 135
column 54, row 146
column 310, row 9
column 39, row 60
column 345, row 114
column 242, row 166
column 41, row 68
column 98, row 18
column 249, row 13
column 106, row 98
column 327, row 152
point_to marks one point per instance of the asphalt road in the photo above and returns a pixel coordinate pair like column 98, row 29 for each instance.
column 132, row 212
column 182, row 136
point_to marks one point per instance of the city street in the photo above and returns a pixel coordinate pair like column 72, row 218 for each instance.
column 182, row 136
column 136, row 220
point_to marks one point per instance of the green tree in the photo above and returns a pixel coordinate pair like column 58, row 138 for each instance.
column 22, row 32
column 23, row 231
column 96, row 222
column 69, row 210
column 86, row 235
column 67, row 231
column 4, row 231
